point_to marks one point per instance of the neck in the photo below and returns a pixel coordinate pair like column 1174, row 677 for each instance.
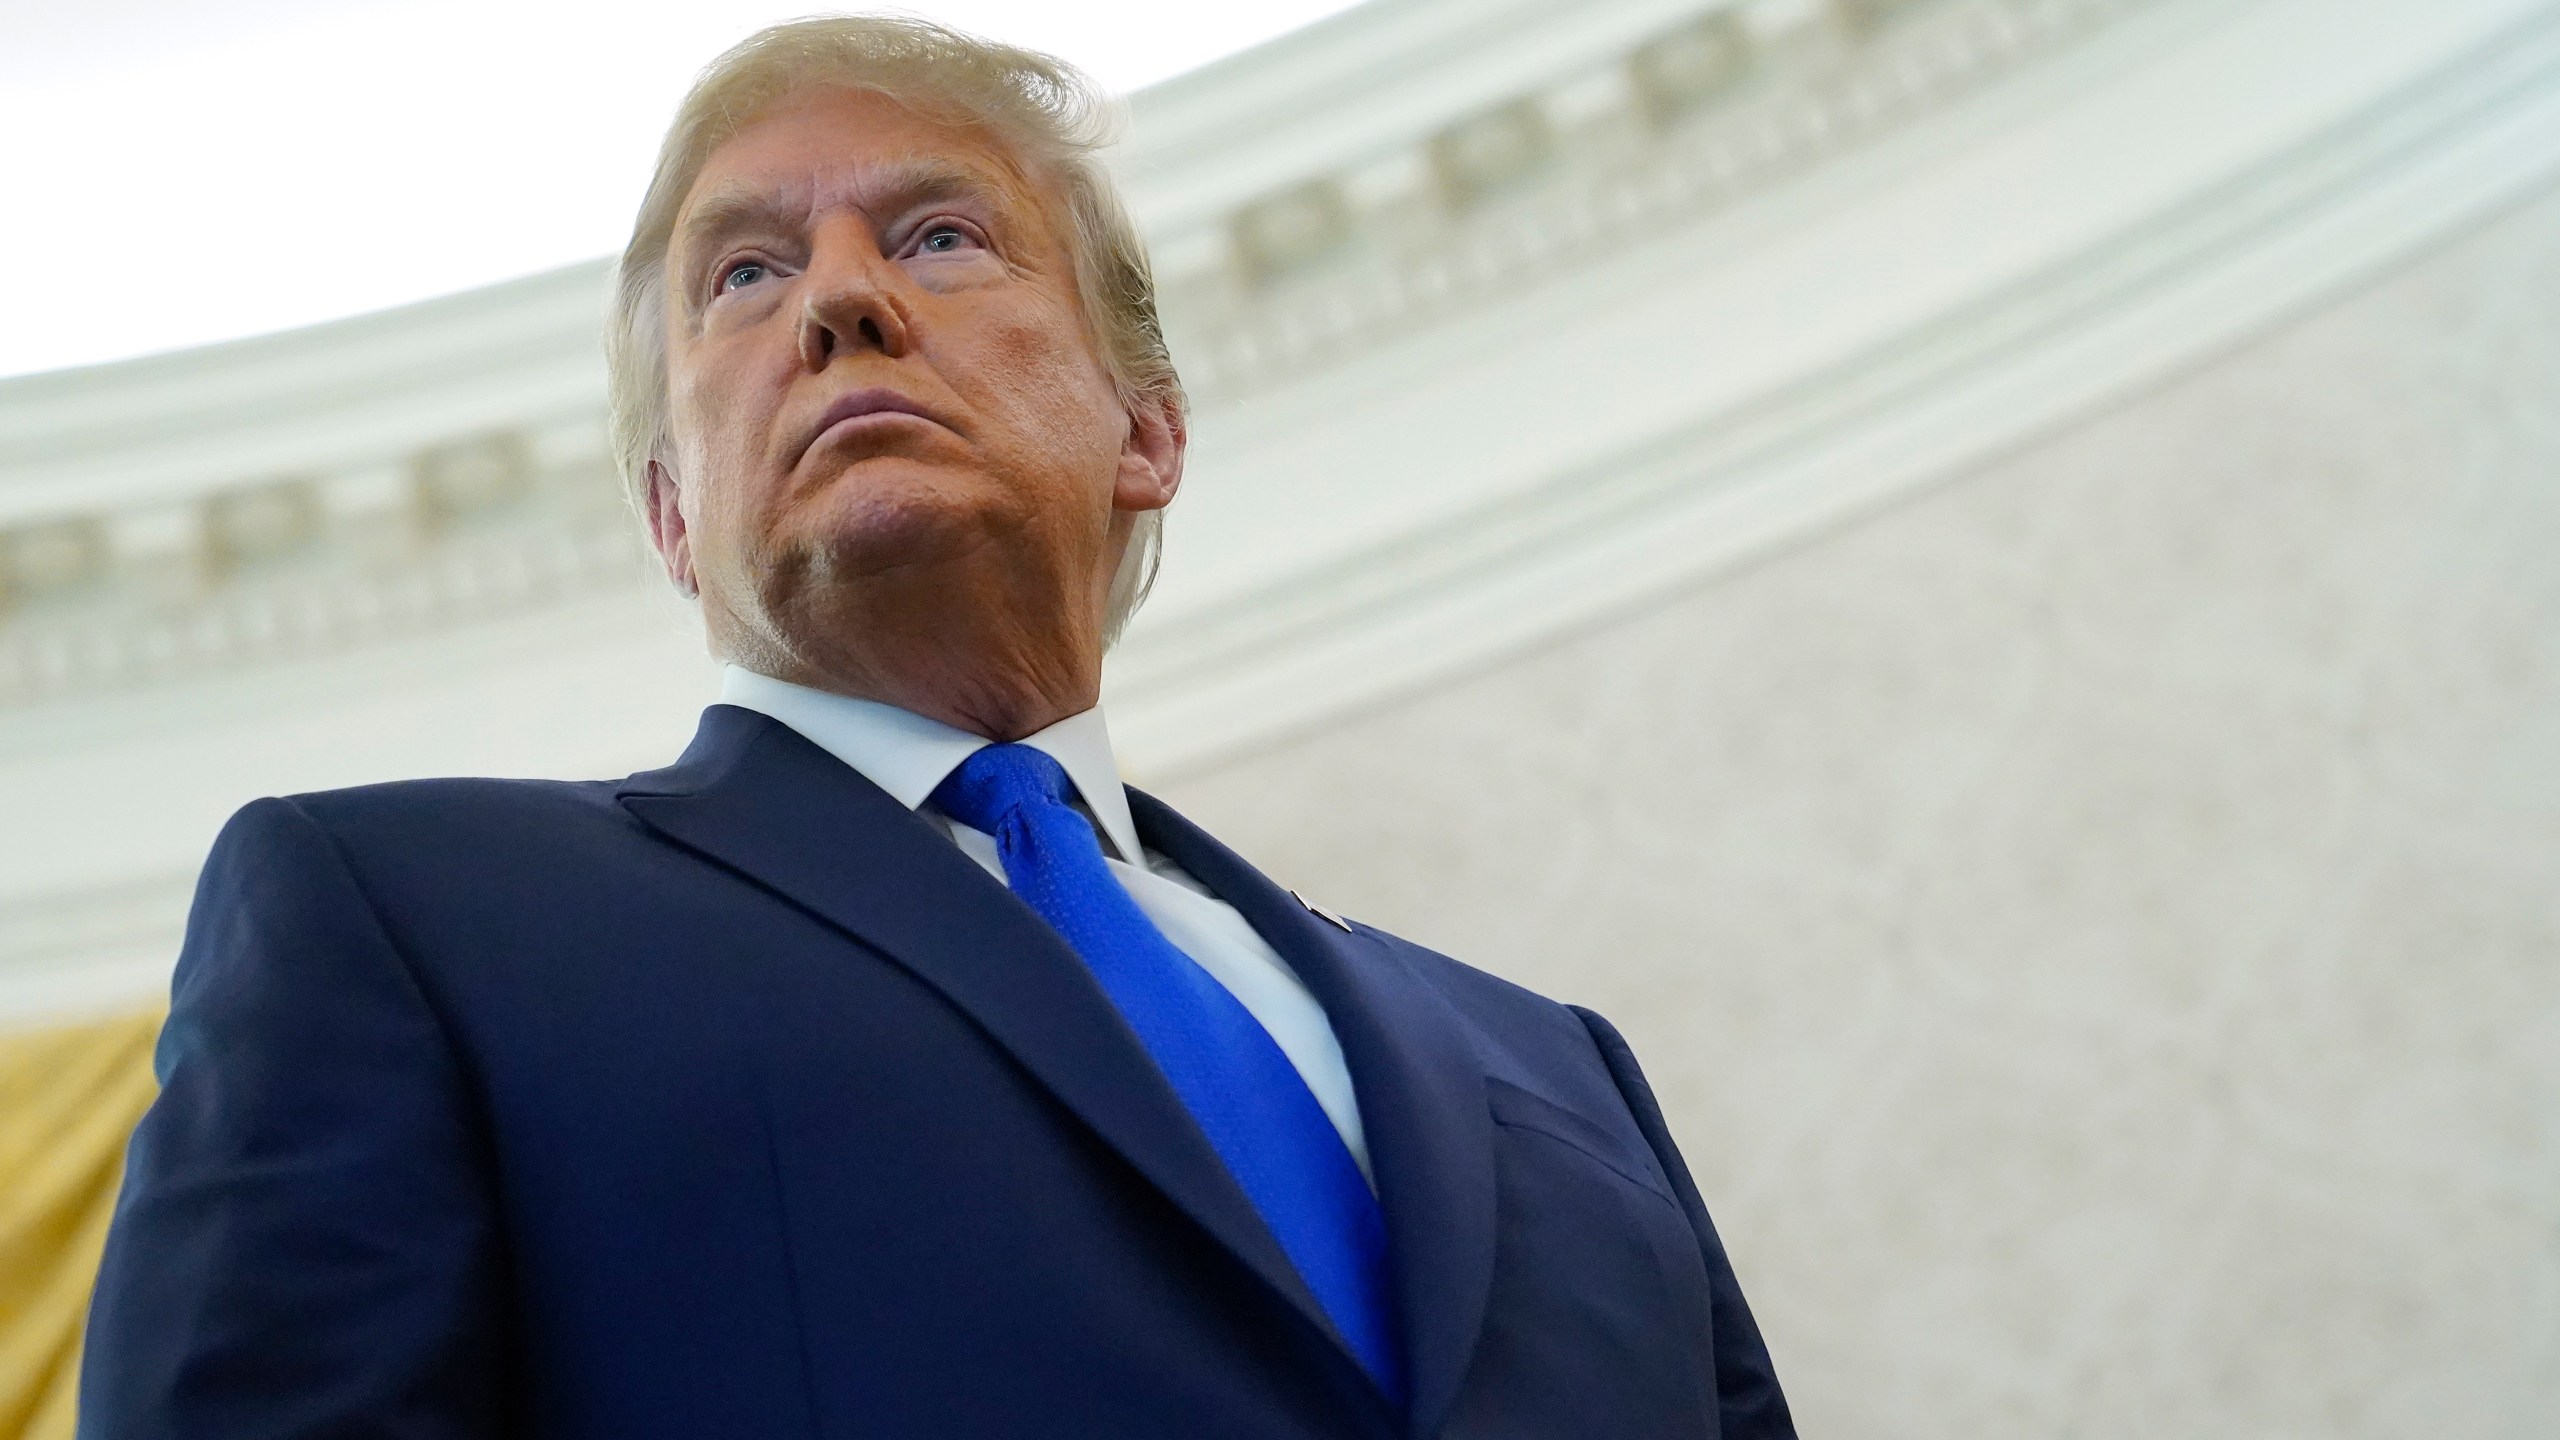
column 1001, row 706
column 1003, row 686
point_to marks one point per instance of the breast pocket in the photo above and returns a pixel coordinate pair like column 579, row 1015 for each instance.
column 1598, row 1320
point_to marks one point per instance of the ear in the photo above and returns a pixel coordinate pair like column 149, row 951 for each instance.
column 1151, row 456
column 666, row 529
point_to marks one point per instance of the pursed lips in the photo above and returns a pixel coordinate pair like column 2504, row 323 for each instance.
column 865, row 407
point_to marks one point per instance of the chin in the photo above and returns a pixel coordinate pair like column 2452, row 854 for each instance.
column 885, row 518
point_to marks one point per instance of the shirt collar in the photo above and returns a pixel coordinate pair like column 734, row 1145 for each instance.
column 908, row 755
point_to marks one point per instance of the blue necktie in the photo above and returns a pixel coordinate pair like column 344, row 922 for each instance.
column 1250, row 1101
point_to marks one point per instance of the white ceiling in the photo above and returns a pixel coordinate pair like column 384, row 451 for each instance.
column 178, row 172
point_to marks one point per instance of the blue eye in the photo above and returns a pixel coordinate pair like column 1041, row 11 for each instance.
column 745, row 272
column 942, row 239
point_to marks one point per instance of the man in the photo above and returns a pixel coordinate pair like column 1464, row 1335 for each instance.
column 882, row 1066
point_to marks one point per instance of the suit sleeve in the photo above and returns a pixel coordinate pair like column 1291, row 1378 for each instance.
column 306, row 1240
column 1749, row 1403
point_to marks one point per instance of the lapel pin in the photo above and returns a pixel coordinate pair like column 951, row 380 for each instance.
column 1315, row 909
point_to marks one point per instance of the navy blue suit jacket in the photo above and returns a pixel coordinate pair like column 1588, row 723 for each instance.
column 733, row 1100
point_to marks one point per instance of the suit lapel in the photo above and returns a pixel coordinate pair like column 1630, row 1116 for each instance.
column 1422, row 1104
column 753, row 795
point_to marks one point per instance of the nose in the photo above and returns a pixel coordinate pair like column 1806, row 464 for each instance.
column 852, row 301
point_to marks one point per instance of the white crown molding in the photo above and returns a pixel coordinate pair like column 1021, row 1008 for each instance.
column 1611, row 172
column 358, row 393
column 1372, row 80
column 445, row 584
column 1773, row 466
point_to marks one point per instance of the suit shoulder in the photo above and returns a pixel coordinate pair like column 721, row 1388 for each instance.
column 1493, row 1003
column 453, row 809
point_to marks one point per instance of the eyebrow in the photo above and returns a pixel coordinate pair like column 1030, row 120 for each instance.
column 892, row 190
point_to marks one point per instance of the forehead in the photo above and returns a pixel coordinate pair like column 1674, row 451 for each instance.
column 826, row 149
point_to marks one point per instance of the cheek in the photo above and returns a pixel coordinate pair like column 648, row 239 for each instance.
column 726, row 385
column 718, row 422
column 1047, row 377
column 707, row 411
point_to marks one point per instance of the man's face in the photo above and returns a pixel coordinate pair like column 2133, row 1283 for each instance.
column 883, row 400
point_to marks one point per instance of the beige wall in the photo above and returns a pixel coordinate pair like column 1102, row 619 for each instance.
column 2096, row 928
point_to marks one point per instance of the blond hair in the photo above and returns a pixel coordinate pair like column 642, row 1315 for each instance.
column 1054, row 121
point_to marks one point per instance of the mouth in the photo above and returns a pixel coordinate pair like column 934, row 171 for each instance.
column 869, row 408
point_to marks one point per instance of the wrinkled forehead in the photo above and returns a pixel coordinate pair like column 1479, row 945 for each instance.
column 831, row 151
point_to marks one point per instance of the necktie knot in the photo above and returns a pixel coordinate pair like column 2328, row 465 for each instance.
column 997, row 780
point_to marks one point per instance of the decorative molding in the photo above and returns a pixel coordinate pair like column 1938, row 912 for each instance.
column 431, row 569
column 453, row 583
column 1696, row 119
column 1734, row 484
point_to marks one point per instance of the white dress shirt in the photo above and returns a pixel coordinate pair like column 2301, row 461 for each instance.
column 908, row 756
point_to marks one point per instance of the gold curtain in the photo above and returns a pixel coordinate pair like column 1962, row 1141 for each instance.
column 68, row 1099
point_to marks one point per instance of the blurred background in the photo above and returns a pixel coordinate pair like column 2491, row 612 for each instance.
column 1982, row 576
